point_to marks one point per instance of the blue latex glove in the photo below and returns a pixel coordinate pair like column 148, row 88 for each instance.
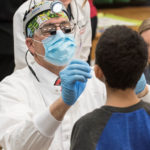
column 141, row 84
column 73, row 80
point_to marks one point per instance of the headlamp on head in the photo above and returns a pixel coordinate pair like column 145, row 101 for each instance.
column 56, row 6
column 41, row 12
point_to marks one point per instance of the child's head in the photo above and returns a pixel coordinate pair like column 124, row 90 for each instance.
column 121, row 55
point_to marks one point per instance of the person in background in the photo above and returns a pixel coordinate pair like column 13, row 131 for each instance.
column 123, row 123
column 144, row 31
column 7, row 10
column 79, row 13
column 93, row 15
column 33, row 116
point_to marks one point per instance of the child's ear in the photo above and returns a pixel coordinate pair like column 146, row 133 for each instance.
column 99, row 73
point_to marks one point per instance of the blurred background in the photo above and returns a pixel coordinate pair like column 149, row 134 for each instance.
column 120, row 3
column 121, row 12
column 109, row 12
column 7, row 10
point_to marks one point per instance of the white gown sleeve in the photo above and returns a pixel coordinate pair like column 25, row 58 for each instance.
column 146, row 98
column 21, row 128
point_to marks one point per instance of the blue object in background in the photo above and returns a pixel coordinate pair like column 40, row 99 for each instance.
column 141, row 84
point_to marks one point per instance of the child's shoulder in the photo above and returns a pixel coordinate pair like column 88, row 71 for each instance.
column 94, row 118
column 146, row 106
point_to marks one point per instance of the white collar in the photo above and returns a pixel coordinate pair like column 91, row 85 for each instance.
column 45, row 76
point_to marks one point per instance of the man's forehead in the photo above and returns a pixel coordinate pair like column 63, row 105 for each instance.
column 42, row 18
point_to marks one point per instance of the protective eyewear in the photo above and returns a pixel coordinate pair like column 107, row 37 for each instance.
column 51, row 29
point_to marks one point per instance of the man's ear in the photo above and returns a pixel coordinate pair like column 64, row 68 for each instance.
column 99, row 73
column 30, row 45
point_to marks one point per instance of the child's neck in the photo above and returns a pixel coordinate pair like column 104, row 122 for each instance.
column 121, row 98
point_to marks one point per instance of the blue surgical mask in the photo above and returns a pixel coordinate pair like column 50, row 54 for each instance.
column 59, row 48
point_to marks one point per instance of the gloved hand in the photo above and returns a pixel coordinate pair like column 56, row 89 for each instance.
column 73, row 80
column 141, row 84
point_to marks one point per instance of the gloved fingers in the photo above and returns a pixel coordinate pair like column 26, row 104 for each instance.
column 79, row 67
column 81, row 62
column 79, row 72
column 76, row 67
column 141, row 84
column 79, row 82
column 75, row 78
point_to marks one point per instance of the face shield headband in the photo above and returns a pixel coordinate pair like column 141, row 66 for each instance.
column 36, row 22
column 41, row 13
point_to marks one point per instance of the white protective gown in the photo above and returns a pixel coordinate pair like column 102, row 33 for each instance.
column 82, row 32
column 25, row 121
column 146, row 98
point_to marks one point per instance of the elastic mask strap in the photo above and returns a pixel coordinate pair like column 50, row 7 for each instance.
column 36, row 40
column 39, row 55
column 36, row 52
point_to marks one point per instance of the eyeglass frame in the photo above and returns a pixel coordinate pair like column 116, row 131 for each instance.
column 56, row 26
